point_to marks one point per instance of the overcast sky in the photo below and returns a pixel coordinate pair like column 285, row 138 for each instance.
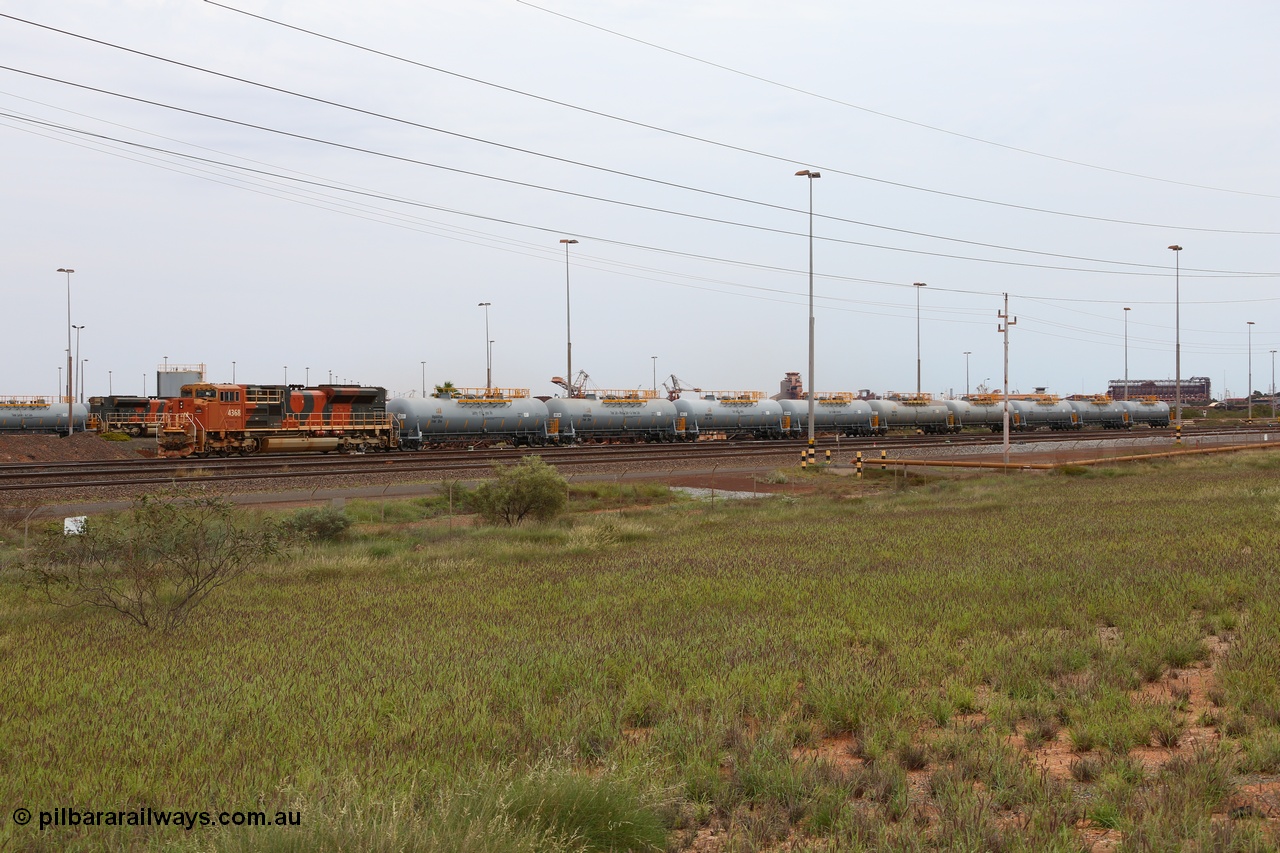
column 342, row 211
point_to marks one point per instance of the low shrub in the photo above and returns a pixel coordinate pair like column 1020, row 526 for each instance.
column 319, row 524
column 529, row 489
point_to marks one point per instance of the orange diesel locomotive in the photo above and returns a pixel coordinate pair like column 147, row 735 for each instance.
column 222, row 420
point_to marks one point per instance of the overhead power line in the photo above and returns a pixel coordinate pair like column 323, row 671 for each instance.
column 566, row 161
column 890, row 116
column 634, row 205
column 728, row 146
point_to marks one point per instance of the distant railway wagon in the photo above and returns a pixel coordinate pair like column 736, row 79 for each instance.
column 733, row 413
column 832, row 412
column 1047, row 411
column 615, row 415
column 1149, row 411
column 983, row 410
column 1102, row 411
column 473, row 416
column 40, row 414
column 921, row 413
column 136, row 416
column 218, row 420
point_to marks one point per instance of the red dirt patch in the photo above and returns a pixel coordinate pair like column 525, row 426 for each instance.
column 81, row 447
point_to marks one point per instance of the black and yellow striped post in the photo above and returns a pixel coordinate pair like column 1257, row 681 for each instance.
column 828, row 458
column 1177, row 433
column 857, row 461
column 803, row 459
column 884, row 460
column 812, row 461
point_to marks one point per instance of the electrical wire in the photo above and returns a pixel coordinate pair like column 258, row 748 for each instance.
column 890, row 116
column 724, row 145
column 567, row 161
column 1205, row 273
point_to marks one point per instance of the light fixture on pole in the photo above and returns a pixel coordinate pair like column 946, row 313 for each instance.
column 110, row 388
column 1249, row 388
column 568, row 325
column 1177, row 340
column 488, row 360
column 71, row 422
column 306, row 376
column 966, row 372
column 1126, row 354
column 918, row 285
column 810, row 175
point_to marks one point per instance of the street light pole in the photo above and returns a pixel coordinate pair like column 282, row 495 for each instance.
column 1004, row 328
column 233, row 373
column 654, row 358
column 83, row 362
column 918, row 285
column 111, row 391
column 1126, row 354
column 1273, row 385
column 488, row 360
column 1177, row 340
column 79, row 367
column 810, row 175
column 1249, row 389
column 568, row 326
column 71, row 415
column 966, row 372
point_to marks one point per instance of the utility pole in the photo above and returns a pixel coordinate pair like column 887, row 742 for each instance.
column 1004, row 328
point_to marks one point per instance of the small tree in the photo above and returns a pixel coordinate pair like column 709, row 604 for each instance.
column 155, row 563
column 445, row 387
column 530, row 489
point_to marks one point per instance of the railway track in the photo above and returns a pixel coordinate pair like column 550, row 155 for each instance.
column 461, row 463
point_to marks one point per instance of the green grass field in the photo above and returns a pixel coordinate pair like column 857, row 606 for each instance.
column 851, row 667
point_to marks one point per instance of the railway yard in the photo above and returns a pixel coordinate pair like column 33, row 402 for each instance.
column 35, row 471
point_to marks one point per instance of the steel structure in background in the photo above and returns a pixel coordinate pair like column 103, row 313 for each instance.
column 810, row 175
column 1126, row 354
column 71, row 421
column 918, row 286
column 488, row 349
column 568, row 325
column 1004, row 328
column 1177, row 340
column 1249, row 390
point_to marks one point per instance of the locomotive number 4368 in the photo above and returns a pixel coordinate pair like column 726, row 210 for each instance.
column 233, row 413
